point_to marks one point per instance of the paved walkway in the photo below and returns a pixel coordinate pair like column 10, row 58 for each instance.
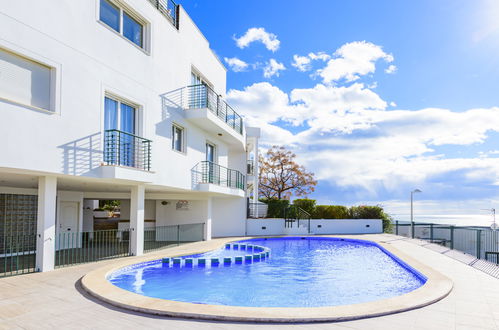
column 55, row 300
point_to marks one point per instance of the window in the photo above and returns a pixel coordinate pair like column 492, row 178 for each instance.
column 25, row 81
column 121, row 118
column 210, row 152
column 119, row 115
column 177, row 138
column 122, row 22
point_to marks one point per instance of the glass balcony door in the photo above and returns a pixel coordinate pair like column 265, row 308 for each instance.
column 199, row 94
column 122, row 117
column 210, row 158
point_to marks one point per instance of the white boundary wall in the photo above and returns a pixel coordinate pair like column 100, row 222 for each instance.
column 256, row 227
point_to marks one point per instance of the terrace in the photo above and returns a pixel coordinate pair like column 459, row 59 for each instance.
column 471, row 303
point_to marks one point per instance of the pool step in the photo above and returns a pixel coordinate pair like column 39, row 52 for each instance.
column 253, row 253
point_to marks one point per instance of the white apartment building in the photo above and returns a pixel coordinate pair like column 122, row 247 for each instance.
column 114, row 100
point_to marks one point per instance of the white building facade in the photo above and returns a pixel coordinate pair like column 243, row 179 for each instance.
column 115, row 100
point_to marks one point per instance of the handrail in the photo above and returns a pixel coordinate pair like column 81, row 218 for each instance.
column 129, row 134
column 294, row 213
column 127, row 149
column 203, row 96
column 210, row 172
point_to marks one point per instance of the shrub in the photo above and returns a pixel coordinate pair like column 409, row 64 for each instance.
column 276, row 207
column 330, row 212
column 372, row 212
column 305, row 204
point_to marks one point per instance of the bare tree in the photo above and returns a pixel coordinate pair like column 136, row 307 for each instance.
column 280, row 176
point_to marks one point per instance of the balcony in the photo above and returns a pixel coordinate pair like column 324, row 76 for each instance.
column 127, row 150
column 169, row 9
column 208, row 173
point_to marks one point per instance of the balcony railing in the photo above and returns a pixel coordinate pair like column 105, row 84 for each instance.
column 202, row 96
column 169, row 9
column 125, row 149
column 208, row 172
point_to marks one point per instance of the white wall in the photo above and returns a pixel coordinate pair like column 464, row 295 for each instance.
column 327, row 226
column 346, row 226
column 257, row 227
column 167, row 215
column 88, row 214
column 228, row 217
column 149, row 209
column 89, row 60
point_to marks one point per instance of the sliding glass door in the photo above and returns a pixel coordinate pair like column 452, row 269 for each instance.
column 121, row 117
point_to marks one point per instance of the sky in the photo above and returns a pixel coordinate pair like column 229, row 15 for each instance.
column 377, row 98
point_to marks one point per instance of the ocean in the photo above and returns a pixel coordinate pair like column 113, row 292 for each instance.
column 451, row 219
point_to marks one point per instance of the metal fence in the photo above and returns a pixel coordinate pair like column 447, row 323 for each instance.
column 17, row 254
column 163, row 236
column 481, row 242
column 125, row 149
column 202, row 96
column 209, row 172
column 81, row 247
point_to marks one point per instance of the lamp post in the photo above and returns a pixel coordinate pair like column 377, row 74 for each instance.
column 412, row 210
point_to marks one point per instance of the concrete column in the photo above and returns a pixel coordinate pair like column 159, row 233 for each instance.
column 137, row 219
column 256, row 173
column 45, row 223
column 207, row 227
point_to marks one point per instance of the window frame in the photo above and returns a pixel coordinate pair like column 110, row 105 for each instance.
column 120, row 101
column 55, row 78
column 215, row 152
column 123, row 8
column 182, row 139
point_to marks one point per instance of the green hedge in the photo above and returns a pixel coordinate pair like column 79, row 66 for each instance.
column 372, row 212
column 305, row 204
column 276, row 210
column 330, row 212
column 275, row 207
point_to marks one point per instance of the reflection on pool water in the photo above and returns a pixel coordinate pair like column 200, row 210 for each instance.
column 301, row 272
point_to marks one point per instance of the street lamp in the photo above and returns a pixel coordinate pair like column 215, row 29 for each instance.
column 412, row 210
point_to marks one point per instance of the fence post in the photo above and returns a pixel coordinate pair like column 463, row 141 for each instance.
column 178, row 234
column 451, row 237
column 396, row 227
column 478, row 243
column 431, row 232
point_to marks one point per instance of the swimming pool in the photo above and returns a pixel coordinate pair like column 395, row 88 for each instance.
column 300, row 272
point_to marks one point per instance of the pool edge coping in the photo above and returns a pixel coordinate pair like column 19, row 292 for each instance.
column 96, row 284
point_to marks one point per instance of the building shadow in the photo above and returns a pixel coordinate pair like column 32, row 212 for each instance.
column 83, row 155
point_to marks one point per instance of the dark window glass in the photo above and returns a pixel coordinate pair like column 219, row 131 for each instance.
column 132, row 30
column 177, row 138
column 110, row 14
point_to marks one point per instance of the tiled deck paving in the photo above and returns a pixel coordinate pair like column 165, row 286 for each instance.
column 54, row 300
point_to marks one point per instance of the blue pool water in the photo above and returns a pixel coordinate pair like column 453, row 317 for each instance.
column 301, row 272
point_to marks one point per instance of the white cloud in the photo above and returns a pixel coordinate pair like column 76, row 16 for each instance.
column 272, row 68
column 319, row 56
column 353, row 60
column 303, row 63
column 258, row 34
column 348, row 138
column 236, row 64
column 391, row 69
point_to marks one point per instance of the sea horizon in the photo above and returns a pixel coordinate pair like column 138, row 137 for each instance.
column 449, row 219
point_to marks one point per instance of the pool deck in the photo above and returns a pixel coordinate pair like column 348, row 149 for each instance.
column 56, row 299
